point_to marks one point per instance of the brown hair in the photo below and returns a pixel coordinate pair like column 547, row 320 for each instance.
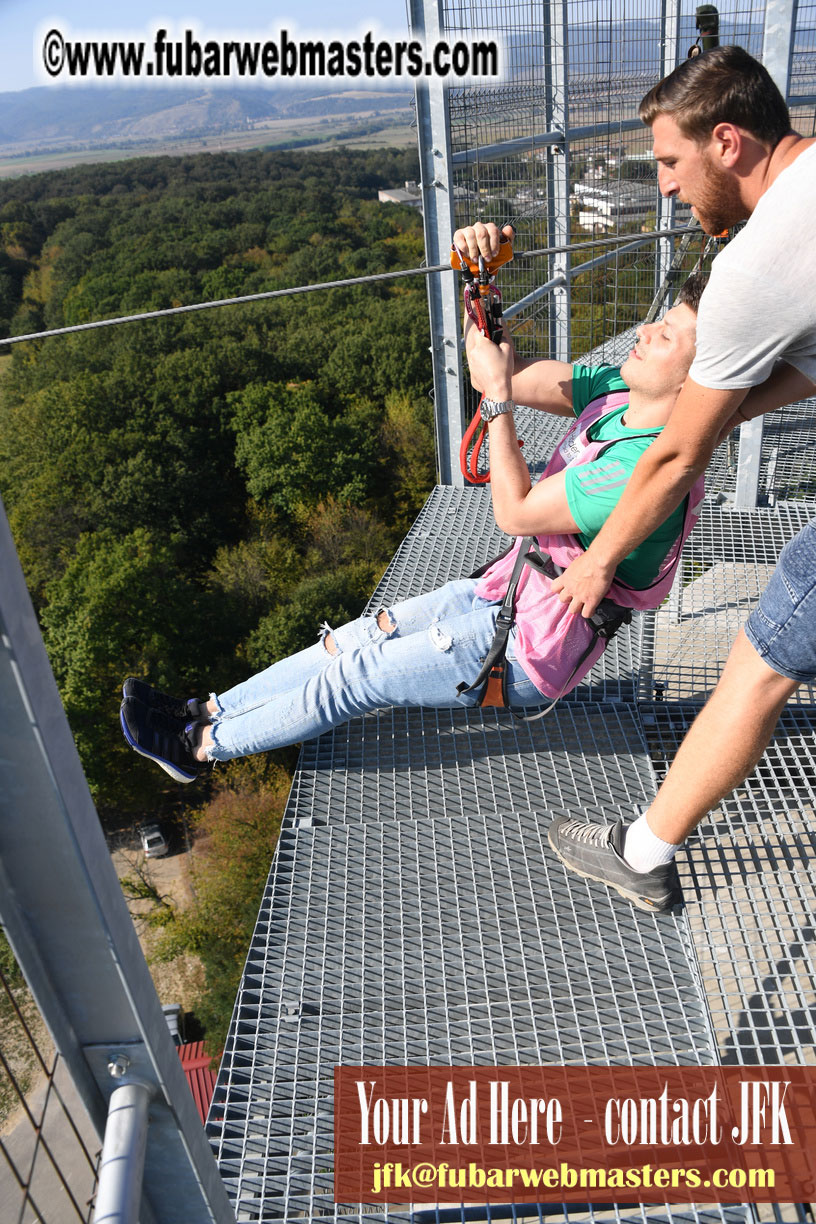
column 724, row 85
column 691, row 291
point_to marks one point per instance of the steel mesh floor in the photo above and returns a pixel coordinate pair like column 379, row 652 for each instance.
column 749, row 876
column 726, row 564
column 777, row 799
column 437, row 941
column 788, row 460
column 411, row 764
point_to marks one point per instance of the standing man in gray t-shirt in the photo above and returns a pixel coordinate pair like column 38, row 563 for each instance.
column 723, row 142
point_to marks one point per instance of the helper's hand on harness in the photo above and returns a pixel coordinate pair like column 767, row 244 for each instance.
column 491, row 681
column 477, row 252
column 584, row 583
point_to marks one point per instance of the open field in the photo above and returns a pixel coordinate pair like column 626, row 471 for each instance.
column 352, row 130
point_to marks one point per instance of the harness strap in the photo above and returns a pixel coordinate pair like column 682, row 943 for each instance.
column 493, row 674
column 605, row 622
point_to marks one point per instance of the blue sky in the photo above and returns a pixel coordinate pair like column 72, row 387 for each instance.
column 21, row 20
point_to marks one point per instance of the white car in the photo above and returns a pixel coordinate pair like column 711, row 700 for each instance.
column 153, row 841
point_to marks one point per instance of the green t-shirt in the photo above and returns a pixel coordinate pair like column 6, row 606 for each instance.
column 593, row 489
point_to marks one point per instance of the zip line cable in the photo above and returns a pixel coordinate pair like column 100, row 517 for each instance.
column 335, row 284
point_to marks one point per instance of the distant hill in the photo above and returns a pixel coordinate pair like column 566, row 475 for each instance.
column 47, row 118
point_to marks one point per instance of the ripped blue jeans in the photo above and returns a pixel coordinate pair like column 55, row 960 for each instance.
column 437, row 640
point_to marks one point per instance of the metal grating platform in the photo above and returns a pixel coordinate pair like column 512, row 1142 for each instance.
column 410, row 764
column 409, row 918
column 749, row 875
column 438, row 941
column 788, row 462
column 726, row 564
column 777, row 799
column 753, row 536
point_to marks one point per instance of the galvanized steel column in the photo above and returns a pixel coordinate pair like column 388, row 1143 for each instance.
column 780, row 21
column 669, row 32
column 558, row 206
column 436, row 175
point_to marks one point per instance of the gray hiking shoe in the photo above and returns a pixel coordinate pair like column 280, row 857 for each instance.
column 596, row 853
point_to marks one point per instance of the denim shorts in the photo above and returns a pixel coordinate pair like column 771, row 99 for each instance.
column 782, row 627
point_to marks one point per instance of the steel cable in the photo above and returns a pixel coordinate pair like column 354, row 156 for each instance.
column 335, row 284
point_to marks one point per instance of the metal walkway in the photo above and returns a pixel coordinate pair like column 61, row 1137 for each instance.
column 414, row 912
column 449, row 940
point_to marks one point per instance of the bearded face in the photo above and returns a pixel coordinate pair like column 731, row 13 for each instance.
column 690, row 171
column 716, row 202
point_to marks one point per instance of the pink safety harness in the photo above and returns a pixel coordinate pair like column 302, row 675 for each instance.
column 556, row 647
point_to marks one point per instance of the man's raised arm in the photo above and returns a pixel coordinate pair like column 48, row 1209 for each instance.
column 519, row 508
column 662, row 477
column 535, row 382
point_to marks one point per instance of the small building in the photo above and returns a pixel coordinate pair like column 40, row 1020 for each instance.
column 197, row 1064
column 601, row 206
column 409, row 194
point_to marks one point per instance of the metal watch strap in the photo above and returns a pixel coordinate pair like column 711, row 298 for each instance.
column 492, row 408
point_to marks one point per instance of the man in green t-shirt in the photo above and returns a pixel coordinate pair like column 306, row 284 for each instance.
column 580, row 500
column 593, row 489
column 418, row 652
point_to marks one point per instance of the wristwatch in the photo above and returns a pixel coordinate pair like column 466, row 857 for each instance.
column 492, row 408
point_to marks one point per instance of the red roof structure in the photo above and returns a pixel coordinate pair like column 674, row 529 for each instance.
column 197, row 1064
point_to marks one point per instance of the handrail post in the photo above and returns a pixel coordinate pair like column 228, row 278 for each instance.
column 121, row 1167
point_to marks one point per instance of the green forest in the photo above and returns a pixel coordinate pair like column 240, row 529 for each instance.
column 192, row 496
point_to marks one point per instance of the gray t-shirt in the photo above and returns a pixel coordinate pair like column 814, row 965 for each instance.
column 760, row 303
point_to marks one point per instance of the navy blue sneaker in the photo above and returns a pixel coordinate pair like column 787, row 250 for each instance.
column 191, row 710
column 163, row 739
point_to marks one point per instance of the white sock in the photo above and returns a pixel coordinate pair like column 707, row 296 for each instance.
column 643, row 849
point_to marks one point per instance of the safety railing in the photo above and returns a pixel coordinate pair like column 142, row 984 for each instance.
column 67, row 923
column 48, row 1147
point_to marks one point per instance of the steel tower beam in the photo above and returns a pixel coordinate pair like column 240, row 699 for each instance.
column 436, row 174
column 558, row 205
column 780, row 21
column 669, row 31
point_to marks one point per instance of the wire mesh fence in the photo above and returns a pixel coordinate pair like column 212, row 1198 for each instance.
column 48, row 1148
column 558, row 150
column 803, row 53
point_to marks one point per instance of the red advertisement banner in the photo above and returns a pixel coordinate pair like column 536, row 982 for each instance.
column 450, row 1135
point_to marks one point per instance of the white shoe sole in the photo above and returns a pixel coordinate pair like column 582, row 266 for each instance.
column 640, row 902
column 173, row 770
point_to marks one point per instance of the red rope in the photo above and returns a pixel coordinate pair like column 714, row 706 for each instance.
column 476, row 432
